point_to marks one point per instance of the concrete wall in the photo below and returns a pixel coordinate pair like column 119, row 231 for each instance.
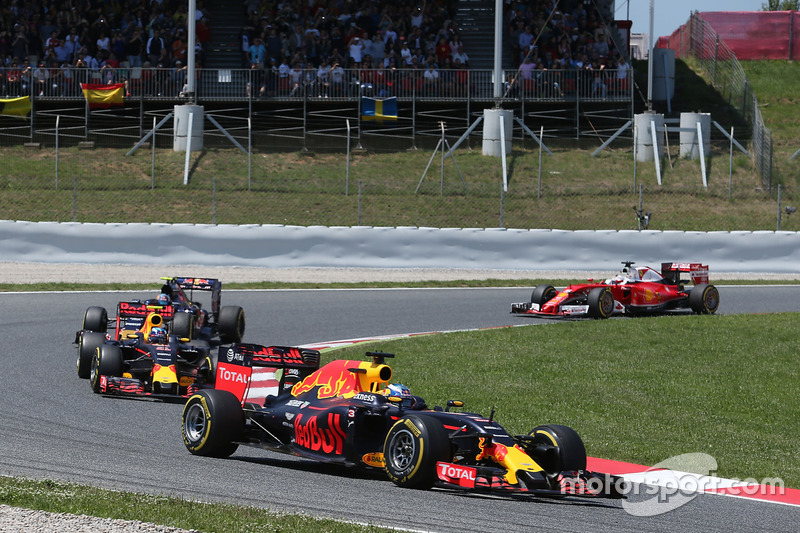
column 277, row 246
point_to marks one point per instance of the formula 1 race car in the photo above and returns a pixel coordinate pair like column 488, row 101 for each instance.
column 164, row 366
column 181, row 314
column 348, row 413
column 635, row 291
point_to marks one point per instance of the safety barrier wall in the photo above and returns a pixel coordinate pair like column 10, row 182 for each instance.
column 277, row 246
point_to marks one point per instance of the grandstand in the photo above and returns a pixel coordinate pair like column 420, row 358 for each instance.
column 300, row 69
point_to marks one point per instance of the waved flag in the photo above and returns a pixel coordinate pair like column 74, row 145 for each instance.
column 103, row 96
column 378, row 109
column 18, row 107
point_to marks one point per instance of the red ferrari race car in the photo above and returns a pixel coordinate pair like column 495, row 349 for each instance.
column 634, row 291
column 348, row 413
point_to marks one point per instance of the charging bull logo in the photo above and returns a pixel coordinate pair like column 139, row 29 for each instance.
column 334, row 379
column 316, row 437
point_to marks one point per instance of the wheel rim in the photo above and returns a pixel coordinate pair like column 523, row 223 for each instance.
column 194, row 425
column 607, row 303
column 402, row 448
column 712, row 300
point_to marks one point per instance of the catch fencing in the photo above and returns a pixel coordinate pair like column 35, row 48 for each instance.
column 698, row 38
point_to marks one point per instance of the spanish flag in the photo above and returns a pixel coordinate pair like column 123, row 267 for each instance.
column 19, row 107
column 103, row 96
column 378, row 109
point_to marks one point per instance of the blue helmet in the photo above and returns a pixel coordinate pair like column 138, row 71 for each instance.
column 158, row 336
column 163, row 299
column 397, row 389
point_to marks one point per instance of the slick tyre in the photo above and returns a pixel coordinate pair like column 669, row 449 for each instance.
column 107, row 362
column 87, row 346
column 564, row 448
column 183, row 325
column 601, row 302
column 212, row 421
column 413, row 446
column 231, row 324
column 543, row 293
column 704, row 299
column 96, row 319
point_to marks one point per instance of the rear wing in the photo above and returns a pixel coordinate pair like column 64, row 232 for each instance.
column 252, row 372
column 697, row 272
column 174, row 287
column 139, row 316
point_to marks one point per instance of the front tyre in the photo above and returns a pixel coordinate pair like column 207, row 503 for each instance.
column 107, row 362
column 96, row 319
column 543, row 294
column 601, row 302
column 212, row 419
column 564, row 448
column 231, row 324
column 183, row 325
column 704, row 299
column 87, row 346
column 413, row 446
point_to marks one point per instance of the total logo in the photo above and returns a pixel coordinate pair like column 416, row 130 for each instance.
column 453, row 472
column 236, row 377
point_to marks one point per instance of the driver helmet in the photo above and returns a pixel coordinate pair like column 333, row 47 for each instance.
column 397, row 389
column 158, row 336
column 163, row 299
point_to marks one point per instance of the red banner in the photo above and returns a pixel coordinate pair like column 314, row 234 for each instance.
column 749, row 34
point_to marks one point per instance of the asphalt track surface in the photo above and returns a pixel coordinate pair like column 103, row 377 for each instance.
column 52, row 426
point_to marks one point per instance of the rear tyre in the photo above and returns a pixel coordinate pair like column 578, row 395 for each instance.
column 87, row 346
column 212, row 419
column 565, row 449
column 231, row 324
column 107, row 362
column 601, row 302
column 704, row 299
column 412, row 448
column 543, row 293
column 96, row 319
column 183, row 325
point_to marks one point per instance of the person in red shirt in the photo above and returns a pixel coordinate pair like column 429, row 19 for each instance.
column 442, row 50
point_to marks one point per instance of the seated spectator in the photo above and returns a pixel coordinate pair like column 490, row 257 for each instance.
column 431, row 80
column 461, row 55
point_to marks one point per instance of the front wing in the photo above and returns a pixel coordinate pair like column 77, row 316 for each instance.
column 117, row 386
column 488, row 479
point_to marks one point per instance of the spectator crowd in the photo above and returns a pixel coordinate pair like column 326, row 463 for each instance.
column 330, row 47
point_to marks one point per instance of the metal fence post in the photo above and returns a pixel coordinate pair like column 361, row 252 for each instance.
column 214, row 200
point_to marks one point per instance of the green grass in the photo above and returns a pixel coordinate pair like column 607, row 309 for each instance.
column 638, row 390
column 62, row 497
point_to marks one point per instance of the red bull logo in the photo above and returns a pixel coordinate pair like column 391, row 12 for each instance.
column 313, row 436
column 334, row 379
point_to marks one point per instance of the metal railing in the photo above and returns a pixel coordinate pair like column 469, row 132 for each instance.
column 153, row 84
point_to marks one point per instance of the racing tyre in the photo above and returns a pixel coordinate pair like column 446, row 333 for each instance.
column 704, row 299
column 96, row 319
column 87, row 346
column 231, row 324
column 413, row 446
column 212, row 420
column 601, row 302
column 568, row 453
column 543, row 293
column 107, row 362
column 183, row 325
